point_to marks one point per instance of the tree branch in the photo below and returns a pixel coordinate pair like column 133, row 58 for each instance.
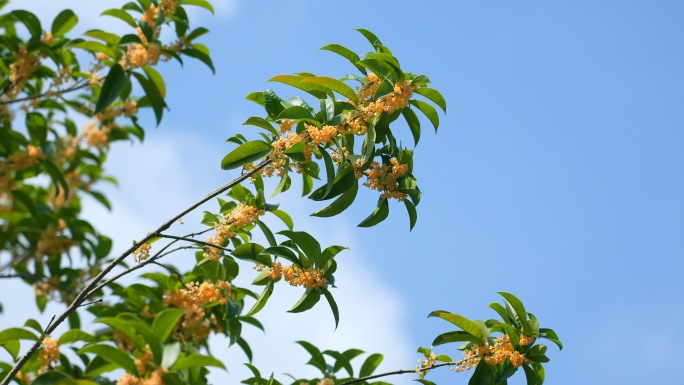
column 89, row 289
column 194, row 241
column 402, row 371
column 61, row 92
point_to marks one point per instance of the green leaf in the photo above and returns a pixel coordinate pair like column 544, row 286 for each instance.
column 261, row 122
column 251, row 252
column 154, row 95
column 283, row 252
column 370, row 36
column 13, row 347
column 296, row 81
column 378, row 215
column 306, row 302
column 345, row 53
column 256, row 97
column 370, row 364
column 455, row 336
column 534, row 376
column 501, row 311
column 165, row 322
column 428, row 110
column 30, row 20
column 467, row 325
column 262, row 300
column 413, row 214
column 483, row 374
column 122, row 15
column 200, row 3
column 246, row 153
column 308, row 244
column 94, row 47
column 112, row 355
column 413, row 123
column 285, row 217
column 340, row 204
column 111, row 89
column 15, row 334
column 55, row 378
column 197, row 361
column 517, row 306
column 171, row 353
column 329, row 170
column 201, row 55
column 75, row 335
column 273, row 104
column 64, row 22
column 551, row 336
column 334, row 85
column 433, row 95
column 295, row 112
column 267, row 233
column 333, row 305
column 382, row 69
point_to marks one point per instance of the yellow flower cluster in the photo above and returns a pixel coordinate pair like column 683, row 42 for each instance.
column 168, row 7
column 22, row 160
column 326, row 381
column 96, row 138
column 155, row 378
column 355, row 123
column 424, row 363
column 21, row 69
column 384, row 178
column 52, row 240
column 242, row 215
column 142, row 252
column 294, row 275
column 494, row 355
column 49, row 355
column 192, row 300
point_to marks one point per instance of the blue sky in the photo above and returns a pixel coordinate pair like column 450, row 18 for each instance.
column 557, row 173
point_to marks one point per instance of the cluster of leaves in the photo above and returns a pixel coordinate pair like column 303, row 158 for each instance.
column 330, row 363
column 379, row 138
column 47, row 162
column 494, row 367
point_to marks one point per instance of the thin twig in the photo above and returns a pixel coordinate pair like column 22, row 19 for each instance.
column 91, row 302
column 395, row 372
column 88, row 290
column 194, row 241
column 171, row 269
column 78, row 87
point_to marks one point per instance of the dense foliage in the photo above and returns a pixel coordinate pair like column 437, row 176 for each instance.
column 63, row 102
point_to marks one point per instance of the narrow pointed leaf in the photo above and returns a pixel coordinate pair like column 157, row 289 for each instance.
column 334, row 85
column 378, row 215
column 433, row 95
column 111, row 89
column 246, row 153
column 467, row 325
column 429, row 111
column 340, row 204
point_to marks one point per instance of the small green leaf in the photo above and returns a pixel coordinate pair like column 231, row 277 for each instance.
column 551, row 336
column 283, row 252
column 370, row 36
column 112, row 355
column 256, row 97
column 262, row 300
column 251, row 252
column 345, row 53
column 246, row 153
column 455, row 336
column 306, row 302
column 429, row 111
column 334, row 85
column 517, row 306
column 165, row 322
column 467, row 325
column 433, row 95
column 333, row 305
column 122, row 15
column 412, row 212
column 75, row 335
column 154, row 95
column 201, row 55
column 15, row 334
column 378, row 215
column 111, row 89
column 295, row 112
column 413, row 123
column 261, row 122
column 370, row 364
column 200, row 3
column 30, row 20
column 483, row 374
column 196, row 361
column 64, row 22
column 171, row 353
column 340, row 204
